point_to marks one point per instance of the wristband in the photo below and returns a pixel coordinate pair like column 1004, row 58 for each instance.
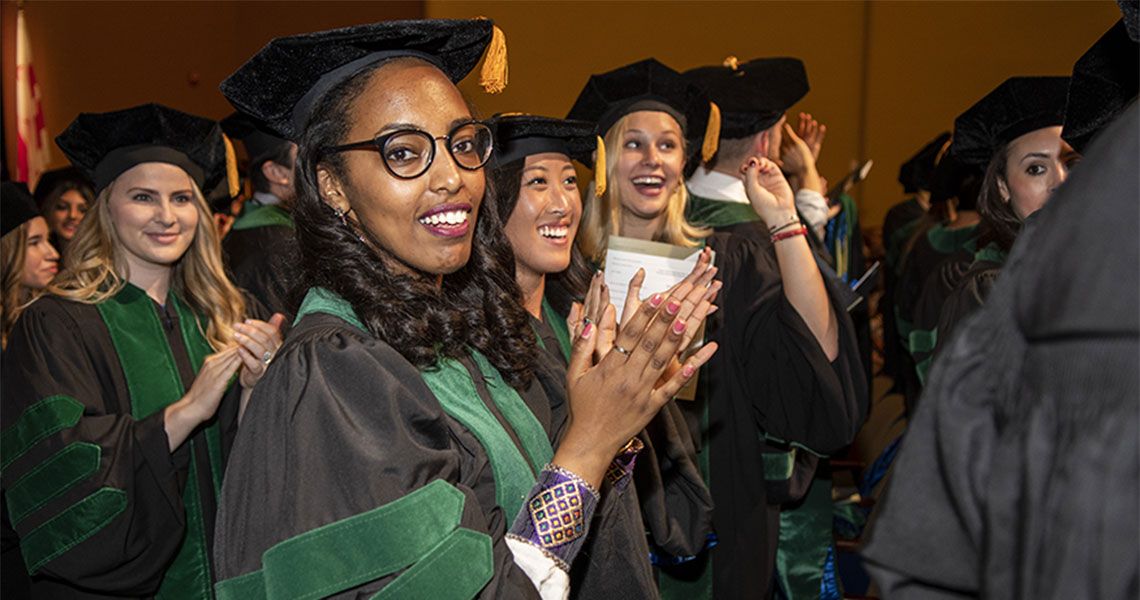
column 791, row 223
column 789, row 234
column 557, row 514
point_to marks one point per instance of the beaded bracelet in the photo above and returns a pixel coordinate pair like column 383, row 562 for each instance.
column 557, row 514
column 789, row 234
column 791, row 223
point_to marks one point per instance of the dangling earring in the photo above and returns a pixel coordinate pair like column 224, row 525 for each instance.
column 340, row 215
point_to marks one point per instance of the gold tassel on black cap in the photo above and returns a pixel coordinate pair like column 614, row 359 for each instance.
column 600, row 169
column 712, row 134
column 731, row 62
column 233, row 181
column 493, row 76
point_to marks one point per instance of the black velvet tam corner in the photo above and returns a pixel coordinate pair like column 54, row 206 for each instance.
column 104, row 145
column 259, row 142
column 915, row 174
column 644, row 85
column 285, row 80
column 1016, row 107
column 753, row 96
column 518, row 136
column 18, row 206
column 1105, row 81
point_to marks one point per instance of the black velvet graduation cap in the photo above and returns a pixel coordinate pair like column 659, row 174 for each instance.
column 518, row 136
column 18, row 206
column 1105, row 81
column 650, row 85
column 283, row 83
column 752, row 97
column 104, row 145
column 52, row 180
column 953, row 178
column 259, row 142
column 915, row 173
column 1016, row 107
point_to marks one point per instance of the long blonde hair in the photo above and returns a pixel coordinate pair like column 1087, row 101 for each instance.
column 601, row 217
column 14, row 295
column 94, row 269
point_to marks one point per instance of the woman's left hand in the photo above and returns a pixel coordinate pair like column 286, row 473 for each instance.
column 258, row 342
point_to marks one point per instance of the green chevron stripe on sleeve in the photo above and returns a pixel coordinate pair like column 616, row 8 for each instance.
column 51, row 478
column 75, row 524
column 40, row 420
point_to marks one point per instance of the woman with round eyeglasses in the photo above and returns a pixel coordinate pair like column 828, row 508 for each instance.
column 124, row 383
column 402, row 443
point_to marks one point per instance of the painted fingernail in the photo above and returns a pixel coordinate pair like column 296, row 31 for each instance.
column 655, row 300
column 688, row 370
column 587, row 331
column 672, row 308
column 679, row 327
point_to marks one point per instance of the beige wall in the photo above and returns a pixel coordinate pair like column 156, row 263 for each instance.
column 925, row 61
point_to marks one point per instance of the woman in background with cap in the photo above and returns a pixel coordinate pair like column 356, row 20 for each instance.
column 28, row 261
column 537, row 196
column 404, row 444
column 788, row 370
column 118, row 405
column 1015, row 132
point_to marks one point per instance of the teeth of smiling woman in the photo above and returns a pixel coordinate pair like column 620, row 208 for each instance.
column 454, row 217
column 648, row 180
column 553, row 232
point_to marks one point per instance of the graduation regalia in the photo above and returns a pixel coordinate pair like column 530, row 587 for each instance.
column 101, row 505
column 1019, row 475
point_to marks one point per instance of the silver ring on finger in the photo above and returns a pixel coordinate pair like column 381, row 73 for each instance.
column 622, row 350
column 267, row 358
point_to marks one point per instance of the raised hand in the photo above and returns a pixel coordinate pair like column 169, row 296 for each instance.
column 769, row 192
column 202, row 400
column 812, row 133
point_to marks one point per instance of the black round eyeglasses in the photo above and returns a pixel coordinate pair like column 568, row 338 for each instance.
column 408, row 153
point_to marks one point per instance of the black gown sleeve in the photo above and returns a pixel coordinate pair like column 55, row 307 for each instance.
column 263, row 261
column 93, row 493
column 342, row 425
column 797, row 394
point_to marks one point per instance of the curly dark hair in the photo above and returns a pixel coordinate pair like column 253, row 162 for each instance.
column 1000, row 223
column 562, row 289
column 476, row 307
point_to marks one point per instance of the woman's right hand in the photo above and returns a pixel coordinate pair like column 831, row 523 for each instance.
column 616, row 398
column 205, row 394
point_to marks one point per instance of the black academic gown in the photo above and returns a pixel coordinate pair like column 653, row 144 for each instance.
column 937, row 289
column 898, row 217
column 970, row 293
column 767, row 388
column 1019, row 477
column 263, row 260
column 62, row 351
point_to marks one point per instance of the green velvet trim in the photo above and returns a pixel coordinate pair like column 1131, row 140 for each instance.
column 779, row 466
column 51, row 478
column 263, row 215
column 453, row 387
column 991, row 253
column 364, row 547
column 40, row 420
column 320, row 300
column 716, row 213
column 922, row 340
column 805, row 536
column 904, row 327
column 456, row 569
column 558, row 324
column 514, row 477
column 922, row 367
column 947, row 241
column 70, row 527
column 154, row 383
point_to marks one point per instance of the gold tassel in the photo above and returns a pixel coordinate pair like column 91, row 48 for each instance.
column 731, row 62
column 712, row 134
column 231, row 168
column 493, row 76
column 600, row 169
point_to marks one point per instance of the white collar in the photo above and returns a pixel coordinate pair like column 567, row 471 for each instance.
column 715, row 185
column 266, row 199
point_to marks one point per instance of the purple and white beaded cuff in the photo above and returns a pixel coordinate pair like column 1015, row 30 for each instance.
column 620, row 472
column 556, row 516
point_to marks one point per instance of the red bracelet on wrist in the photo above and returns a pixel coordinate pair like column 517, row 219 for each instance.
column 789, row 234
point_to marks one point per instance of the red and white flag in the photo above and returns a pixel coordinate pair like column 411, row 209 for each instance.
column 32, row 143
